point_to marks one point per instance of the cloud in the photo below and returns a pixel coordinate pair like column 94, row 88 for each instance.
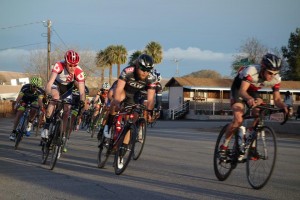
column 193, row 53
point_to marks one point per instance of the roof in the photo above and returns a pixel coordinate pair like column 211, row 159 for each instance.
column 221, row 84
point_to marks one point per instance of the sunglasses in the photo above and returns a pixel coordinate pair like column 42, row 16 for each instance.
column 70, row 65
column 272, row 73
column 144, row 69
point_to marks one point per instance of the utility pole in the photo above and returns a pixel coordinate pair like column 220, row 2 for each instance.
column 48, row 47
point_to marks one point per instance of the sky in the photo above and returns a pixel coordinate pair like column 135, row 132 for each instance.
column 198, row 34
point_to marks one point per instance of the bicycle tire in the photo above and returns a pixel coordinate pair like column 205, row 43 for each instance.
column 20, row 131
column 45, row 151
column 93, row 125
column 223, row 167
column 55, row 144
column 105, row 148
column 124, row 153
column 261, row 161
column 140, row 139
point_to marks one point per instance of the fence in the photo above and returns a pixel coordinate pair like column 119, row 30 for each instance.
column 6, row 108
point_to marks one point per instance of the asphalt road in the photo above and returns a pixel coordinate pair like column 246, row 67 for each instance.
column 177, row 163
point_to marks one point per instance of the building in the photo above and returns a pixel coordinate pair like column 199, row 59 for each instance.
column 206, row 96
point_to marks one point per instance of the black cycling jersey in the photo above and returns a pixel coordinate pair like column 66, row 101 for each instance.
column 133, row 84
column 31, row 95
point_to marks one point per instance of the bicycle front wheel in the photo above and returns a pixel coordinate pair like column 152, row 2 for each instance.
column 140, row 139
column 261, row 158
column 125, row 149
column 55, row 145
column 104, row 150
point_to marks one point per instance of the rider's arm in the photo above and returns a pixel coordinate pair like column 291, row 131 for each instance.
column 278, row 102
column 50, row 82
column 150, row 99
column 81, row 88
column 119, row 91
column 244, row 94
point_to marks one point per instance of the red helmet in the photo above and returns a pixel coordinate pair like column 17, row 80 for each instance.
column 72, row 57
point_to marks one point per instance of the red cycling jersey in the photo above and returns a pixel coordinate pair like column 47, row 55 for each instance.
column 63, row 75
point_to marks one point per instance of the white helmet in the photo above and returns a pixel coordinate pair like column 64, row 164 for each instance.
column 157, row 75
column 105, row 86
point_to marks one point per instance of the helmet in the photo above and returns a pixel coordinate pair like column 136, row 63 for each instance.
column 157, row 75
column 35, row 81
column 271, row 62
column 72, row 57
column 105, row 86
column 145, row 62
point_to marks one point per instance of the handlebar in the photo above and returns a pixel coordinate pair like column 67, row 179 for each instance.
column 266, row 109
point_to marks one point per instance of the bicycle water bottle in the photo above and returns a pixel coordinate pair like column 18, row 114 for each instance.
column 241, row 138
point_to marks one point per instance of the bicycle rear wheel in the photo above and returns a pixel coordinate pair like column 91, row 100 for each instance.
column 140, row 139
column 124, row 151
column 45, row 151
column 261, row 158
column 19, row 136
column 224, row 165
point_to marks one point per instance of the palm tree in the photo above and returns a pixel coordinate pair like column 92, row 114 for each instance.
column 101, row 62
column 154, row 49
column 120, row 56
column 109, row 60
column 134, row 56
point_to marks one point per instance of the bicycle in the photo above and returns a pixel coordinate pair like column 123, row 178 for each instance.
column 260, row 150
column 54, row 143
column 96, row 122
column 23, row 123
column 116, row 141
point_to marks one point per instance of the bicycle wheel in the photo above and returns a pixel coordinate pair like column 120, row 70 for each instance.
column 140, row 139
column 45, row 151
column 224, row 165
column 261, row 158
column 20, row 130
column 124, row 151
column 55, row 145
column 105, row 148
column 94, row 126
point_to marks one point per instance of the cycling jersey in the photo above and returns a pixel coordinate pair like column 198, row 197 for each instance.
column 252, row 75
column 133, row 84
column 64, row 80
column 29, row 95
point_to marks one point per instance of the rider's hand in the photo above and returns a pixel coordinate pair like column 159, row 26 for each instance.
column 49, row 96
column 252, row 102
column 81, row 104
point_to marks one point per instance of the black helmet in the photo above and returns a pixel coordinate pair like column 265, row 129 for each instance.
column 145, row 62
column 271, row 62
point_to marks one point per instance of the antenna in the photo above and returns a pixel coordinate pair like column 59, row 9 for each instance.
column 177, row 63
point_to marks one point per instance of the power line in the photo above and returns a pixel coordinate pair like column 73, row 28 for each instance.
column 15, row 47
column 16, row 26
column 59, row 37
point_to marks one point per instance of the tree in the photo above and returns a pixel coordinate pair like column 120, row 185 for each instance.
column 101, row 63
column 155, row 50
column 292, row 55
column 119, row 56
column 205, row 73
column 109, row 60
column 252, row 50
column 134, row 56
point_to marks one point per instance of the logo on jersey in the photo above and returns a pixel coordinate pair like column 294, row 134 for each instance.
column 80, row 76
column 136, row 85
column 129, row 69
column 56, row 68
column 70, row 78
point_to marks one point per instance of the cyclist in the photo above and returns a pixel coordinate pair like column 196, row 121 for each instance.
column 60, row 85
column 133, row 79
column 29, row 93
column 245, row 88
column 100, row 100
column 158, row 93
